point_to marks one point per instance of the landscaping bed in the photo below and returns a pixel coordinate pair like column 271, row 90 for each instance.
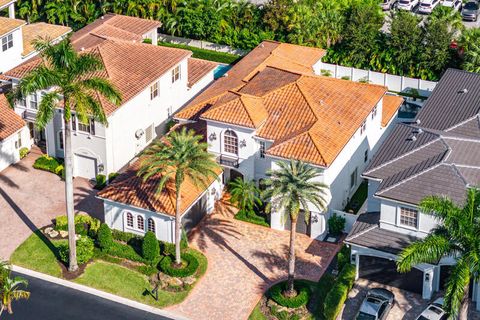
column 358, row 198
column 129, row 267
column 252, row 217
column 205, row 54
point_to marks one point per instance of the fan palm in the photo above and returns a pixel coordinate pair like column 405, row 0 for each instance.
column 67, row 77
column 180, row 155
column 290, row 189
column 455, row 236
column 244, row 194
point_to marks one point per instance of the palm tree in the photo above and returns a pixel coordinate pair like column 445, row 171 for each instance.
column 180, row 155
column 292, row 188
column 456, row 236
column 9, row 288
column 244, row 194
column 68, row 78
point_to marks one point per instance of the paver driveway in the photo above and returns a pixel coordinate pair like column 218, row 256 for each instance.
column 30, row 198
column 243, row 261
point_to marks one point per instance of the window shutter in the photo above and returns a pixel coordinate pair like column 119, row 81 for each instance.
column 92, row 127
column 74, row 122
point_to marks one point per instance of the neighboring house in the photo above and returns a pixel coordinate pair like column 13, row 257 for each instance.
column 272, row 106
column 154, row 83
column 16, row 37
column 13, row 134
column 436, row 155
column 134, row 206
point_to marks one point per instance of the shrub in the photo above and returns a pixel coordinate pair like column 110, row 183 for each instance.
column 112, row 176
column 205, row 54
column 147, row 270
column 191, row 266
column 150, row 247
column 337, row 295
column 343, row 257
column 252, row 217
column 104, row 237
column 46, row 163
column 85, row 250
column 169, row 248
column 276, row 294
column 23, row 152
column 336, row 224
column 61, row 223
column 147, row 40
column 124, row 251
column 124, row 236
column 80, row 229
column 101, row 181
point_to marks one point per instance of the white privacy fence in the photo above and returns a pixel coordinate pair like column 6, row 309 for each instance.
column 201, row 44
column 394, row 83
column 350, row 219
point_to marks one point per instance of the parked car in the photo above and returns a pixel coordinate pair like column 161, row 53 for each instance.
column 434, row 311
column 454, row 4
column 376, row 305
column 388, row 4
column 427, row 6
column 408, row 5
column 470, row 11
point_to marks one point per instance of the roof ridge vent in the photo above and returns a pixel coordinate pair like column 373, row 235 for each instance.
column 464, row 90
column 418, row 121
column 418, row 131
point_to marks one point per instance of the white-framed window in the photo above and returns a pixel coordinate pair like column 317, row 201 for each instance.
column 154, row 91
column 60, row 139
column 262, row 149
column 140, row 223
column 129, row 219
column 365, row 156
column 353, row 178
column 151, row 225
column 34, row 101
column 7, row 42
column 374, row 112
column 408, row 217
column 230, row 142
column 149, row 133
column 176, row 74
column 18, row 142
column 363, row 127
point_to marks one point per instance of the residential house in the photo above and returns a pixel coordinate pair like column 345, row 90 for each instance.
column 16, row 37
column 132, row 205
column 13, row 134
column 273, row 106
column 436, row 155
column 154, row 82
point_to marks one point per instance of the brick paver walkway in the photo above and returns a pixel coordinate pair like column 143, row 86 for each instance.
column 31, row 198
column 243, row 261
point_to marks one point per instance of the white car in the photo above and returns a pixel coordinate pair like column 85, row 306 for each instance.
column 427, row 6
column 434, row 311
column 454, row 4
column 408, row 5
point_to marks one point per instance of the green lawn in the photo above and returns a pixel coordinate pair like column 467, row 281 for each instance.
column 205, row 54
column 37, row 253
column 257, row 314
column 358, row 198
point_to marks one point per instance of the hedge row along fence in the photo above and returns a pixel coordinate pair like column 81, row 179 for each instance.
column 338, row 293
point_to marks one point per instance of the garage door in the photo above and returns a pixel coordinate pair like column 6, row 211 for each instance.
column 85, row 167
column 195, row 214
column 302, row 226
column 385, row 271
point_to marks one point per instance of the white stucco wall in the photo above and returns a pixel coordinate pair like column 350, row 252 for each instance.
column 13, row 56
column 9, row 154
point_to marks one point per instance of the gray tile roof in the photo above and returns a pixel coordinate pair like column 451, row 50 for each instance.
column 367, row 233
column 433, row 157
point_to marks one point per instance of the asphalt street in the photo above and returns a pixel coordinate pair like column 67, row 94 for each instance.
column 49, row 301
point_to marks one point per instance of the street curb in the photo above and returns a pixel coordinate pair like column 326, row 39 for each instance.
column 99, row 293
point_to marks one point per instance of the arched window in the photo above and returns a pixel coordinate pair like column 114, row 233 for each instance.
column 230, row 142
column 129, row 219
column 151, row 225
column 140, row 223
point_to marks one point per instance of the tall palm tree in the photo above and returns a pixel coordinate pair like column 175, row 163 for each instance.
column 244, row 194
column 290, row 189
column 457, row 236
column 69, row 78
column 180, row 155
column 9, row 288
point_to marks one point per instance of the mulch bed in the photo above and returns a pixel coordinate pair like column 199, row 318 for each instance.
column 72, row 275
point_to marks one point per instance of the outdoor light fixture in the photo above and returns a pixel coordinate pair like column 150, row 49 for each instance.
column 213, row 192
column 213, row 136
column 427, row 276
column 101, row 167
column 314, row 219
column 243, row 143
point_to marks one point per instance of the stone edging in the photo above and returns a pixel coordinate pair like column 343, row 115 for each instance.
column 99, row 293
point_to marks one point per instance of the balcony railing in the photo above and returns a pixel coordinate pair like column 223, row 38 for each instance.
column 228, row 161
column 29, row 115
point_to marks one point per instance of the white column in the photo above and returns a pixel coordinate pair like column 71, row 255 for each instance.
column 11, row 10
column 357, row 265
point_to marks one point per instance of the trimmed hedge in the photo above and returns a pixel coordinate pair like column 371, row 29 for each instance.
column 336, row 224
column 104, row 237
column 166, row 265
column 23, row 152
column 303, row 295
column 343, row 257
column 47, row 163
column 124, row 251
column 205, row 54
column 101, row 181
column 252, row 217
column 338, row 294
column 150, row 247
column 85, row 251
column 124, row 236
column 112, row 176
column 93, row 224
column 168, row 249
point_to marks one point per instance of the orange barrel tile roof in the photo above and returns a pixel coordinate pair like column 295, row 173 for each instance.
column 7, row 25
column 43, row 30
column 10, row 122
column 391, row 104
column 198, row 68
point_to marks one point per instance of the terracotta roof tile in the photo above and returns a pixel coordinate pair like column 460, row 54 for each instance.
column 35, row 31
column 7, row 25
column 10, row 122
column 5, row 2
column 390, row 107
column 198, row 68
